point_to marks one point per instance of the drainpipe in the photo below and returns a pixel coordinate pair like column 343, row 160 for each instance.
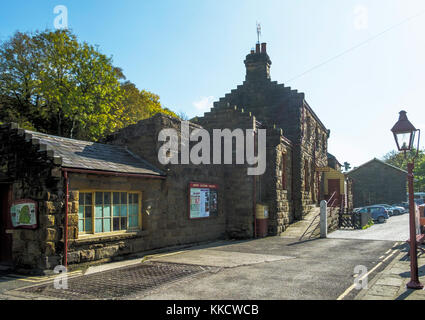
column 65, row 174
column 254, row 198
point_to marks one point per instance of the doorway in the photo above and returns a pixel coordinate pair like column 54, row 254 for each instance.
column 5, row 238
column 334, row 186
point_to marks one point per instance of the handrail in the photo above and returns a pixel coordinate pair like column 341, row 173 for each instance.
column 330, row 199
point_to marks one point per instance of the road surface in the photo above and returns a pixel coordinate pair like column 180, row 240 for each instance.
column 395, row 229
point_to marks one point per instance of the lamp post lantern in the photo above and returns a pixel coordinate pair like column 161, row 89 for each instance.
column 404, row 135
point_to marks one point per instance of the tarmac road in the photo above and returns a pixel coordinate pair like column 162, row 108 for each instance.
column 319, row 269
column 265, row 269
column 395, row 229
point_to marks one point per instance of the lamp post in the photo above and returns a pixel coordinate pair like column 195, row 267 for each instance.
column 404, row 135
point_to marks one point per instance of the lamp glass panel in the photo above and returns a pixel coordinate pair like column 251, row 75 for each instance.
column 404, row 140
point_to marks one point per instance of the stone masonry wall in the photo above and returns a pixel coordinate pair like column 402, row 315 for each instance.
column 37, row 176
column 378, row 183
column 275, row 105
column 165, row 219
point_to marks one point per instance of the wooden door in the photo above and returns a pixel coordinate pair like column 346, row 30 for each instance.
column 334, row 186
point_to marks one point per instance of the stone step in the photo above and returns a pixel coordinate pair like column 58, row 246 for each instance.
column 308, row 228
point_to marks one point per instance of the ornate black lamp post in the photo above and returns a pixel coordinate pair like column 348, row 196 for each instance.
column 404, row 135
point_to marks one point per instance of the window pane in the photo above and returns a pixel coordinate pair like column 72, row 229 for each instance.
column 106, row 198
column 133, row 221
column 131, row 209
column 99, row 197
column 81, row 198
column 88, row 226
column 116, row 224
column 80, row 225
column 107, row 211
column 98, row 227
column 123, row 223
column 98, row 211
column 135, row 198
column 116, row 209
column 116, row 198
column 88, row 212
column 106, row 225
column 88, row 198
column 81, row 212
column 123, row 210
column 123, row 197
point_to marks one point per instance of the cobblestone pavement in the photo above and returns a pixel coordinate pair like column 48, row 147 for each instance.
column 395, row 229
column 390, row 284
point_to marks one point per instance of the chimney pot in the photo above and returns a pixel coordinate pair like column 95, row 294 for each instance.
column 264, row 47
column 257, row 48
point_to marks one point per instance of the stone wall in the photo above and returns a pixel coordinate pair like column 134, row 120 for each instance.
column 36, row 175
column 235, row 185
column 165, row 218
column 378, row 183
column 268, row 187
column 333, row 219
column 278, row 106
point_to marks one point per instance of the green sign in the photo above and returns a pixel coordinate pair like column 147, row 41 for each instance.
column 24, row 214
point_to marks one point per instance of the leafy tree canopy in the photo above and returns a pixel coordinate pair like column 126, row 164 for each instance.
column 51, row 82
column 400, row 160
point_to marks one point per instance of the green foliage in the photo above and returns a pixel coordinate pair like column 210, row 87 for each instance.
column 52, row 83
column 139, row 104
column 398, row 159
column 369, row 224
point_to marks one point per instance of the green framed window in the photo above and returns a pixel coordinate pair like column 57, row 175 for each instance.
column 109, row 211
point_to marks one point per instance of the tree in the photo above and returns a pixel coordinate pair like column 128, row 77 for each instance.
column 347, row 166
column 52, row 83
column 139, row 104
column 399, row 160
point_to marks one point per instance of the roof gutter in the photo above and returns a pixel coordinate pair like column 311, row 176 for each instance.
column 115, row 174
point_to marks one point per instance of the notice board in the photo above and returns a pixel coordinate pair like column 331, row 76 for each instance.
column 203, row 200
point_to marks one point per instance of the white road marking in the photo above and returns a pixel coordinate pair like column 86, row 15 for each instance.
column 353, row 286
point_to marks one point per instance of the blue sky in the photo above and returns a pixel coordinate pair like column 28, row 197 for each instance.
column 191, row 53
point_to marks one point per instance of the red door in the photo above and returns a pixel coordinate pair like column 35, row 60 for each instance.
column 334, row 187
column 5, row 238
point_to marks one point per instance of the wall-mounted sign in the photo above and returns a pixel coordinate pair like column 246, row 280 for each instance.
column 323, row 169
column 203, row 200
column 24, row 214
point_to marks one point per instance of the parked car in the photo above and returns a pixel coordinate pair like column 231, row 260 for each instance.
column 387, row 207
column 395, row 211
column 378, row 213
column 404, row 205
column 357, row 209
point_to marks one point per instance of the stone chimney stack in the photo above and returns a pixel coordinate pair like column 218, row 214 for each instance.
column 258, row 64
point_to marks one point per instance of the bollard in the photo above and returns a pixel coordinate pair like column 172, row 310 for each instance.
column 323, row 219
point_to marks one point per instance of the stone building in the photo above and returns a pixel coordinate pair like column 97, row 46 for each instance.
column 116, row 198
column 277, row 106
column 377, row 182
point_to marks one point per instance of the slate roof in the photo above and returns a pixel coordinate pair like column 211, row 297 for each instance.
column 86, row 155
column 378, row 161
